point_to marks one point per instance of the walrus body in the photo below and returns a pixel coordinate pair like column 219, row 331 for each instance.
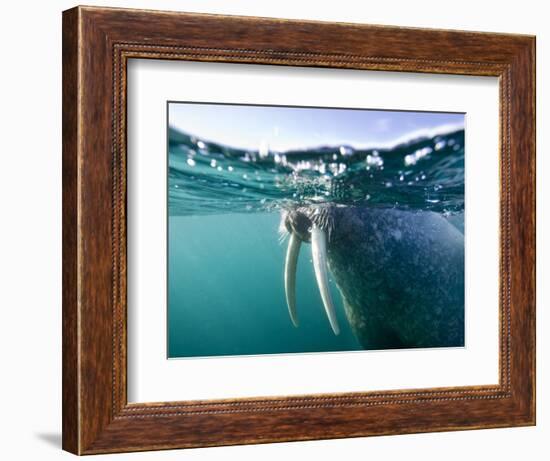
column 401, row 276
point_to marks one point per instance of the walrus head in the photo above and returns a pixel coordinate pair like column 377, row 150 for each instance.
column 312, row 224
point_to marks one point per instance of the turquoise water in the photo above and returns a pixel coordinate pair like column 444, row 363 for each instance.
column 226, row 256
column 226, row 292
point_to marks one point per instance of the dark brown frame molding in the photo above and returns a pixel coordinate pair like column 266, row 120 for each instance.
column 97, row 43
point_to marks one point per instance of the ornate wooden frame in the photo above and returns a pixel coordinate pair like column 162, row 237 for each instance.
column 97, row 43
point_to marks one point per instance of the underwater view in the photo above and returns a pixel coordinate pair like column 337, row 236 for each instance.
column 308, row 230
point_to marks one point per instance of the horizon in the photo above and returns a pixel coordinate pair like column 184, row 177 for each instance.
column 282, row 128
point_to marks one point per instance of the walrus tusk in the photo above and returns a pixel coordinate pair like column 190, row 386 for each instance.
column 319, row 252
column 291, row 261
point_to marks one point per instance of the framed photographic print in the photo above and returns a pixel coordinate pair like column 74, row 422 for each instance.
column 280, row 230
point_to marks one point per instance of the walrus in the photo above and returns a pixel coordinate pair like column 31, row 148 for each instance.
column 400, row 272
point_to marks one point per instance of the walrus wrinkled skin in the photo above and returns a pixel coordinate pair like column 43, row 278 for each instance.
column 400, row 274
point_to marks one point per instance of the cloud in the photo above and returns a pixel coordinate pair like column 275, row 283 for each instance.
column 382, row 125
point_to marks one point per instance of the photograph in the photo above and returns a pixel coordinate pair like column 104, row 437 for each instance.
column 313, row 229
column 275, row 230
